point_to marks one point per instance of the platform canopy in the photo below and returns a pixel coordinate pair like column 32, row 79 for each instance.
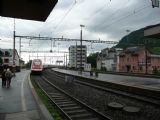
column 37, row 10
column 152, row 31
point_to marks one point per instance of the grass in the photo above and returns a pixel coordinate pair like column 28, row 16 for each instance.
column 47, row 102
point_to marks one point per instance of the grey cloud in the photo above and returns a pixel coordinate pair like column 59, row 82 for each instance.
column 100, row 18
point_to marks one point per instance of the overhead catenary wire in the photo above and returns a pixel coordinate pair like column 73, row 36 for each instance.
column 100, row 9
column 48, row 24
column 103, row 26
column 69, row 10
column 124, row 17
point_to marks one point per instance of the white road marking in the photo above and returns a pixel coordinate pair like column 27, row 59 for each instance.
column 24, row 108
column 1, row 98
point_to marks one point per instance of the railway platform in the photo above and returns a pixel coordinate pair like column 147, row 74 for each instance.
column 142, row 82
column 20, row 102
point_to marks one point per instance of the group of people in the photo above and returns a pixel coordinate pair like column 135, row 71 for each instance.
column 6, row 77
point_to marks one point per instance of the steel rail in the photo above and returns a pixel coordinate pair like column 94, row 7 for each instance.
column 118, row 92
column 99, row 115
column 62, row 112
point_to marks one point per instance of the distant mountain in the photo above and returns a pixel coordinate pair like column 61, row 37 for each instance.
column 137, row 38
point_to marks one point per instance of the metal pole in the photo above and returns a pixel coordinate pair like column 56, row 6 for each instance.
column 81, row 52
column 127, row 34
column 81, row 48
column 20, row 48
column 146, row 57
column 76, row 54
column 66, row 61
column 51, row 45
column 14, row 33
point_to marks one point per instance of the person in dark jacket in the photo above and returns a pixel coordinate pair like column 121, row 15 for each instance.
column 4, row 78
column 8, row 76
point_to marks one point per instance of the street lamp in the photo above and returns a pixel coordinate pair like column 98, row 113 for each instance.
column 14, row 34
column 127, row 34
column 58, row 47
column 146, row 57
column 81, row 47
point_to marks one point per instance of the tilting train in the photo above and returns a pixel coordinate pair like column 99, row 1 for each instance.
column 36, row 66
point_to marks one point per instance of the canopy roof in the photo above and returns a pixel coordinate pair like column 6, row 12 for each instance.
column 37, row 10
column 152, row 31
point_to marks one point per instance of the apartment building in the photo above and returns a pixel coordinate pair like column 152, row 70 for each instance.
column 75, row 56
column 138, row 60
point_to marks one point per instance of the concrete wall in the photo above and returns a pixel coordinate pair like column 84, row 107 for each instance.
column 152, row 31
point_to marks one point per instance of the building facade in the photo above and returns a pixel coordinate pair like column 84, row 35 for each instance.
column 75, row 56
column 138, row 60
column 108, row 59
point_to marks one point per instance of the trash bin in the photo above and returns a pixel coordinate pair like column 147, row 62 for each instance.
column 96, row 73
column 91, row 73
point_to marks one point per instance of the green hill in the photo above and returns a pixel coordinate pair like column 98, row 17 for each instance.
column 137, row 38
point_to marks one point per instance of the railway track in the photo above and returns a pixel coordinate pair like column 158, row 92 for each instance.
column 70, row 107
column 92, row 93
column 155, row 100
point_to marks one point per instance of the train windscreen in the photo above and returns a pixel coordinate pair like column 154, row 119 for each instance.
column 37, row 62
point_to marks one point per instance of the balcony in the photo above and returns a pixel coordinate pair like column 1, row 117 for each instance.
column 144, row 63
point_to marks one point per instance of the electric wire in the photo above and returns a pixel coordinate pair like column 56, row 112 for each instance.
column 69, row 10
column 124, row 17
column 48, row 24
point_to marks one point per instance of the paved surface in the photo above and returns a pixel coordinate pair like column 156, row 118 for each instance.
column 149, row 83
column 17, row 102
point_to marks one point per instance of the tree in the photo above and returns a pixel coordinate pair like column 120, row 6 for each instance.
column 92, row 59
column 28, row 64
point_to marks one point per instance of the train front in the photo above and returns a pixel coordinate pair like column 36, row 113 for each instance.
column 37, row 66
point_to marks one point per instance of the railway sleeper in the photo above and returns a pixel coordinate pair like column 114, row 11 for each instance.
column 59, row 98
column 59, row 101
column 66, row 102
column 56, row 97
column 72, row 108
column 68, row 105
column 55, row 94
column 76, row 112
column 82, row 116
column 92, row 119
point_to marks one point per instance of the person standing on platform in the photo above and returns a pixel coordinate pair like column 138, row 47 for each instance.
column 4, row 78
column 8, row 75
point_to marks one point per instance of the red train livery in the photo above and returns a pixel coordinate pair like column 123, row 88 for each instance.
column 36, row 66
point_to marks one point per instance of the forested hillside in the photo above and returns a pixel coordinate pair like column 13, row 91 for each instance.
column 137, row 38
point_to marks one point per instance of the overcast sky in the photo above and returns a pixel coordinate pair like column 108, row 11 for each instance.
column 103, row 19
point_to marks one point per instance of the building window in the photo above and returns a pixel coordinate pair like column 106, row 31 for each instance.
column 134, row 67
column 6, row 53
column 140, row 68
column 1, row 53
column 6, row 60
